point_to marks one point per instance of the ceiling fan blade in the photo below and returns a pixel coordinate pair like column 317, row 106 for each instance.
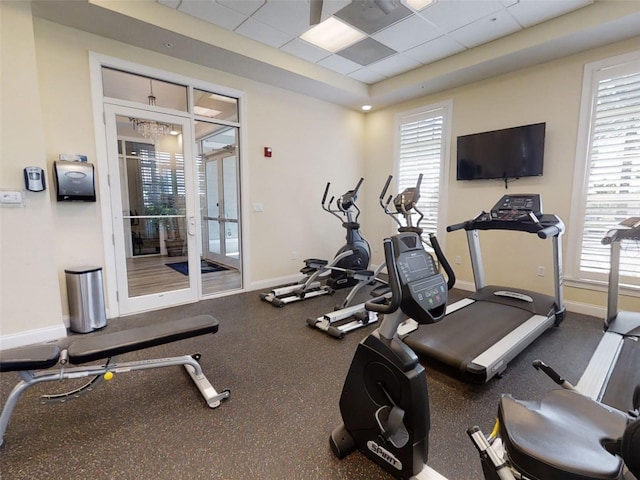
column 315, row 13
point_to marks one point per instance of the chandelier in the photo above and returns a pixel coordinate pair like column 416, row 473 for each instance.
column 150, row 128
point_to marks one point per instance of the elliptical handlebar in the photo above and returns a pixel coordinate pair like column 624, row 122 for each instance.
column 355, row 190
column 400, row 203
column 385, row 205
column 344, row 203
column 381, row 304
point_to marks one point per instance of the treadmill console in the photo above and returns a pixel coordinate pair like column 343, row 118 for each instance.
column 517, row 207
column 424, row 290
column 628, row 229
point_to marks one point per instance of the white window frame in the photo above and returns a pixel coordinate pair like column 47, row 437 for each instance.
column 575, row 274
column 445, row 109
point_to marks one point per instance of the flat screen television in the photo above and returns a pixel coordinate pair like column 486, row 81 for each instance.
column 508, row 153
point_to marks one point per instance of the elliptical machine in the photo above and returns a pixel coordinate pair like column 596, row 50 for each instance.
column 346, row 317
column 384, row 402
column 349, row 266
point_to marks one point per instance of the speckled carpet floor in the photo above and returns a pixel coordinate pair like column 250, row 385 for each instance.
column 285, row 380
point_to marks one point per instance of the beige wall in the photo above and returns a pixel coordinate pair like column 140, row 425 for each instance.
column 309, row 150
column 29, row 294
column 47, row 109
column 548, row 93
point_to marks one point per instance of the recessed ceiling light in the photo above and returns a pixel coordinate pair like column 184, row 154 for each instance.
column 418, row 5
column 366, row 108
column 206, row 112
column 332, row 35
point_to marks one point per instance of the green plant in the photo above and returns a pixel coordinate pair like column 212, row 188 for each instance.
column 165, row 217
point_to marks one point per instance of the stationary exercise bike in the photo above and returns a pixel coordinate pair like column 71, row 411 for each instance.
column 384, row 402
column 566, row 435
column 347, row 269
column 347, row 317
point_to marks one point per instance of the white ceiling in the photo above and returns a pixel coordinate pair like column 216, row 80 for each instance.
column 448, row 44
column 417, row 38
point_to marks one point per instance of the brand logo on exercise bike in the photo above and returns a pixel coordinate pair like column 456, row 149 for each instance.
column 384, row 454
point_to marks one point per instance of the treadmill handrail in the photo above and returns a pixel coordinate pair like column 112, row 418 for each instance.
column 548, row 225
column 552, row 230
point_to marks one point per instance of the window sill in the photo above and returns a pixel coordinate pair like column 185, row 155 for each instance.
column 599, row 286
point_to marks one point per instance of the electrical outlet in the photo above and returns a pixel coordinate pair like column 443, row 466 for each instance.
column 541, row 271
column 294, row 255
column 457, row 260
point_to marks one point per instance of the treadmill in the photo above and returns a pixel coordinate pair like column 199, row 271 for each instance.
column 481, row 334
column 614, row 369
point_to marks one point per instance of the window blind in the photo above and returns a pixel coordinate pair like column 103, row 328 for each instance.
column 421, row 151
column 613, row 183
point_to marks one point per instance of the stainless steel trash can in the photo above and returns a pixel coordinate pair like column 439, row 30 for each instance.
column 86, row 299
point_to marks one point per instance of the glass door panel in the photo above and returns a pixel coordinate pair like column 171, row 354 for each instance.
column 154, row 221
column 220, row 213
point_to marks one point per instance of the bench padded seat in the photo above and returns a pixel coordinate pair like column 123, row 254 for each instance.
column 33, row 357
column 561, row 437
column 98, row 347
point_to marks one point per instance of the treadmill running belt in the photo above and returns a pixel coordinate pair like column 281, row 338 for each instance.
column 625, row 376
column 464, row 334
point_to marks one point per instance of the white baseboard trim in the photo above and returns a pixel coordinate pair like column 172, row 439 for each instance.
column 467, row 286
column 586, row 309
column 30, row 337
column 274, row 282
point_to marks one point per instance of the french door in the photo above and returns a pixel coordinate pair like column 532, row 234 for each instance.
column 220, row 212
column 152, row 193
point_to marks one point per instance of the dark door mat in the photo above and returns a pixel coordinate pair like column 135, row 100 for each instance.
column 205, row 267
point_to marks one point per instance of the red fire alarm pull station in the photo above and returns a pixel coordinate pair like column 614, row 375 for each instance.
column 267, row 152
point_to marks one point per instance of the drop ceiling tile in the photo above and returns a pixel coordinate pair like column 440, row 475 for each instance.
column 394, row 65
column 531, row 12
column 305, row 50
column 450, row 15
column 330, row 7
column 366, row 51
column 263, row 33
column 367, row 16
column 169, row 3
column 290, row 16
column 339, row 64
column 489, row 28
column 407, row 33
column 246, row 7
column 367, row 76
column 435, row 50
column 212, row 12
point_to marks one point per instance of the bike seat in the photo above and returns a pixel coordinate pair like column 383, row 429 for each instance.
column 561, row 437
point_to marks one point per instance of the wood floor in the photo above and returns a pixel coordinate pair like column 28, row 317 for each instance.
column 150, row 274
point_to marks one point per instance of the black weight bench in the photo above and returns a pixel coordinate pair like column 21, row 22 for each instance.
column 33, row 362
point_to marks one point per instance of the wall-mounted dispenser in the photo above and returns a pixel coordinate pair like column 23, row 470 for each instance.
column 74, row 181
column 34, row 179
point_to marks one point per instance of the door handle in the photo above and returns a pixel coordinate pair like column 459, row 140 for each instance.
column 191, row 228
